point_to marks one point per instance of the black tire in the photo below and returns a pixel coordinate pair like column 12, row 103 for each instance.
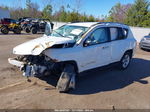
column 4, row 30
column 34, row 30
column 27, row 30
column 17, row 30
column 65, row 78
column 125, row 61
column 142, row 48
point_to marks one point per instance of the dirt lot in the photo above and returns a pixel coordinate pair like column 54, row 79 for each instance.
column 97, row 89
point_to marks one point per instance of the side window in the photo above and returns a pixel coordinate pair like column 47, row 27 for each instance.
column 118, row 33
column 98, row 36
column 114, row 33
column 12, row 21
column 8, row 20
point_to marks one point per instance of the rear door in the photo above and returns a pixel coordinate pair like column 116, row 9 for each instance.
column 119, row 42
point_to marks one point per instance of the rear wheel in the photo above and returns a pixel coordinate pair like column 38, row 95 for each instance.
column 34, row 30
column 125, row 61
column 27, row 30
column 17, row 30
column 4, row 30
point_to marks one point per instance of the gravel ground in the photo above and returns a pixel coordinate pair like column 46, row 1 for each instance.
column 97, row 89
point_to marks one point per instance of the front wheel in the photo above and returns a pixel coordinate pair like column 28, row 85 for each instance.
column 17, row 30
column 27, row 30
column 125, row 61
column 4, row 30
column 34, row 30
column 67, row 79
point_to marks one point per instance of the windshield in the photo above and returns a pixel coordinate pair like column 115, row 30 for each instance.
column 69, row 31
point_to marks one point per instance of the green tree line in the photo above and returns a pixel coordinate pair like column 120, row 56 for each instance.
column 32, row 10
column 136, row 14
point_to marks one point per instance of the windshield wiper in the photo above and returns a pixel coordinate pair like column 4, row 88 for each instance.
column 58, row 33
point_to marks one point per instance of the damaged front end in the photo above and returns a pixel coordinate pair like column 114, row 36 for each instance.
column 32, row 61
column 34, row 65
column 42, row 56
column 41, row 65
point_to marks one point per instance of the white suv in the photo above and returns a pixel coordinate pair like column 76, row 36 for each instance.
column 73, row 48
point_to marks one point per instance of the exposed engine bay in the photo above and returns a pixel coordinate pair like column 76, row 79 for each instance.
column 38, row 65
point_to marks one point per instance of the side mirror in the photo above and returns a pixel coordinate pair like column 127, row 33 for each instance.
column 48, row 28
column 87, row 43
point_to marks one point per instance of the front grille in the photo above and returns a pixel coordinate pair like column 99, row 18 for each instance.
column 147, row 38
column 146, row 44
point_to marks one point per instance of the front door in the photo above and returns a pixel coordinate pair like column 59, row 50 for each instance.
column 96, row 50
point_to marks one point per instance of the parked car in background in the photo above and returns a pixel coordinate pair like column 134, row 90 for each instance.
column 24, row 23
column 8, row 24
column 145, row 42
column 23, row 19
column 74, row 48
column 37, row 25
column 6, row 21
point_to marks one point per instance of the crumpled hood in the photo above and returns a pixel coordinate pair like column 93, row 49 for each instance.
column 36, row 46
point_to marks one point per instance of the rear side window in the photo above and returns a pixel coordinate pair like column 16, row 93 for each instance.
column 114, row 33
column 118, row 33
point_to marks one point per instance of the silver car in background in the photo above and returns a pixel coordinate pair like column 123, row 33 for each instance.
column 145, row 42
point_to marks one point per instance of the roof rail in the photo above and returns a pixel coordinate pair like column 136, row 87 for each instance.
column 108, row 23
column 113, row 22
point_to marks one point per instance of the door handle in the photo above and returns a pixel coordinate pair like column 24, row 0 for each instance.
column 105, row 47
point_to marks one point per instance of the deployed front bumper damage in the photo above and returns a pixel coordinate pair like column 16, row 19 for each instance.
column 41, row 65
